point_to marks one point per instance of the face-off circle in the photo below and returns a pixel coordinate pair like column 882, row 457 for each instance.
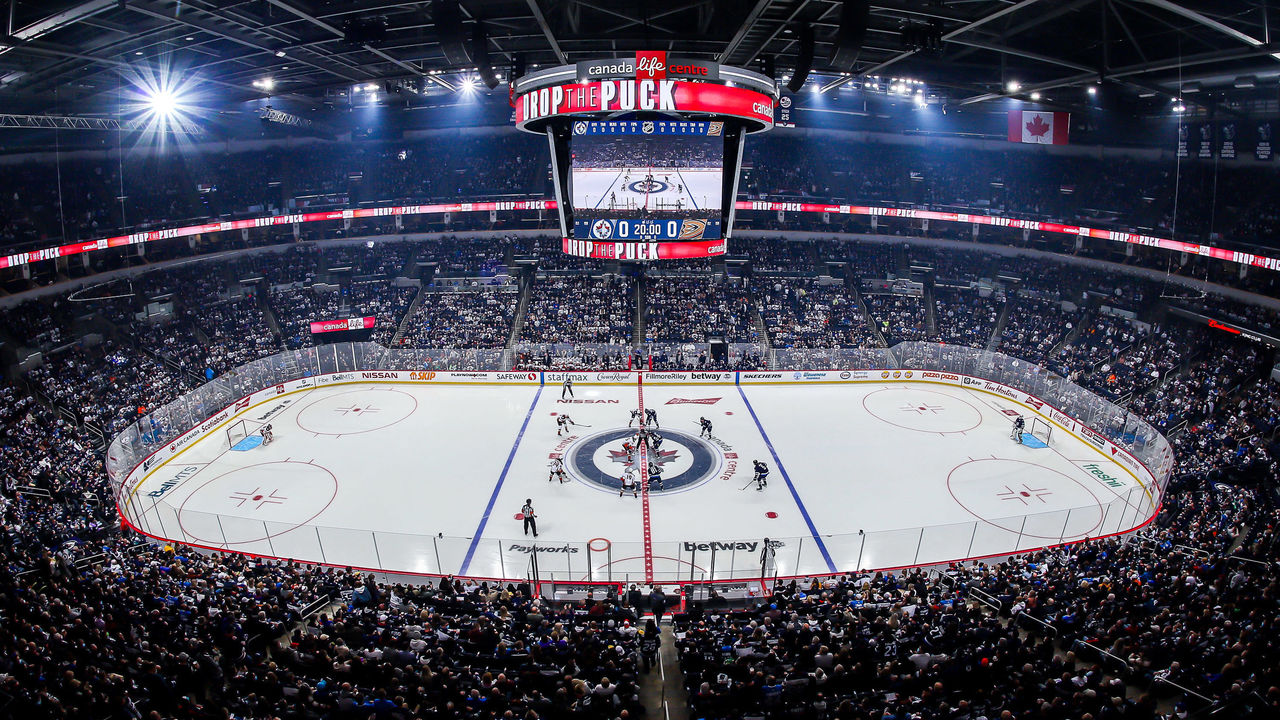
column 356, row 411
column 686, row 461
column 649, row 186
column 922, row 410
column 1027, row 499
column 256, row 502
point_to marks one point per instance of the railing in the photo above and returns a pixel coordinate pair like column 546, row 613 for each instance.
column 693, row 560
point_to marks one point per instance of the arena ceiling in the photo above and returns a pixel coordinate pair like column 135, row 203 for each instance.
column 72, row 56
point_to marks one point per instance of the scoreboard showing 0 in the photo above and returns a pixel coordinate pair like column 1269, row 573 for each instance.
column 623, row 229
column 647, row 179
column 645, row 150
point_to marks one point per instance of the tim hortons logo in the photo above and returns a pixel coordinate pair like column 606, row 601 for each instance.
column 693, row 401
column 651, row 65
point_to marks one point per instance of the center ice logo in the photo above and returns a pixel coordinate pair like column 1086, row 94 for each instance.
column 686, row 461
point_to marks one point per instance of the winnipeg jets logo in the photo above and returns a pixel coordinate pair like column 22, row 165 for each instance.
column 602, row 229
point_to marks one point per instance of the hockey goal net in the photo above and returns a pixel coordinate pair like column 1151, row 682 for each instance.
column 1041, row 429
column 237, row 431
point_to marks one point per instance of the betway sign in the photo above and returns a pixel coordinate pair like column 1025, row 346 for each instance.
column 324, row 326
column 675, row 96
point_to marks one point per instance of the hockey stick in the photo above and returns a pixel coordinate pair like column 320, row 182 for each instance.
column 744, row 487
column 578, row 425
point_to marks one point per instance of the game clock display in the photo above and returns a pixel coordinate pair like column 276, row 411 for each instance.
column 707, row 228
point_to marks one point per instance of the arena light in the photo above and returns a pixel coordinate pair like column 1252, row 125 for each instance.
column 1093, row 90
column 267, row 84
column 166, row 101
column 1035, row 96
column 468, row 85
column 1013, row 86
column 163, row 103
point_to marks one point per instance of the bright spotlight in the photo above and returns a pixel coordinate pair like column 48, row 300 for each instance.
column 1013, row 86
column 1093, row 90
column 468, row 84
column 164, row 100
column 1035, row 96
column 163, row 103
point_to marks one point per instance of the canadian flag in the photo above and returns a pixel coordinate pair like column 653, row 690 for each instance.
column 1034, row 126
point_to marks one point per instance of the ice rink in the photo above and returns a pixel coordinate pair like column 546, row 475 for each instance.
column 431, row 479
column 632, row 189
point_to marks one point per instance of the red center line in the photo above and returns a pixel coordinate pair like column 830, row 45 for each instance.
column 644, row 489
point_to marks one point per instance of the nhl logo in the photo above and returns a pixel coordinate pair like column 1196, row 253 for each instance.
column 602, row 229
column 580, row 128
column 647, row 128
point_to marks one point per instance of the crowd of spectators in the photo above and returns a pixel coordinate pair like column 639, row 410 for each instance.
column 810, row 314
column 580, row 309
column 681, row 309
column 901, row 317
column 965, row 319
column 466, row 318
column 99, row 625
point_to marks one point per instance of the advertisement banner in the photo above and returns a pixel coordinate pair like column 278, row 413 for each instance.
column 602, row 250
column 659, row 378
column 657, row 95
column 324, row 326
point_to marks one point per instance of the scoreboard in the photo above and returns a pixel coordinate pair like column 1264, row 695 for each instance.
column 646, row 151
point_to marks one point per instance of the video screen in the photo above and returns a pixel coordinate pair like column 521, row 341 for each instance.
column 647, row 180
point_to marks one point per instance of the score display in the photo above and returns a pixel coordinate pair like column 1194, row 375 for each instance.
column 647, row 179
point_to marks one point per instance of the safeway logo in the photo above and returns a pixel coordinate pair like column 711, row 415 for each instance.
column 651, row 65
column 693, row 401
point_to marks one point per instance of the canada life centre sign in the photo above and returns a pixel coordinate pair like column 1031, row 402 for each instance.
column 655, row 86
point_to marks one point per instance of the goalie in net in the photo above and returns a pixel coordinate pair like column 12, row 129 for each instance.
column 241, row 429
column 1038, row 429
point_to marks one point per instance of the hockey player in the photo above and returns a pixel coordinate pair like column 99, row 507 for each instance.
column 762, row 474
column 557, row 471
column 655, row 476
column 679, row 187
column 566, row 387
column 635, row 418
column 705, row 424
column 655, row 441
column 267, row 434
column 629, row 447
column 1016, row 434
column 651, row 417
column 563, row 422
column 629, row 483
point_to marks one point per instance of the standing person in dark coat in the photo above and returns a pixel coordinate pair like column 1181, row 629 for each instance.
column 658, row 603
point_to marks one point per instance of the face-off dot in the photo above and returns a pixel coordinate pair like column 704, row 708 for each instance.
column 771, row 515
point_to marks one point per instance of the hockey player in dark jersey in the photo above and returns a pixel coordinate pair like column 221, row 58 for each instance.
column 762, row 474
column 705, row 424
